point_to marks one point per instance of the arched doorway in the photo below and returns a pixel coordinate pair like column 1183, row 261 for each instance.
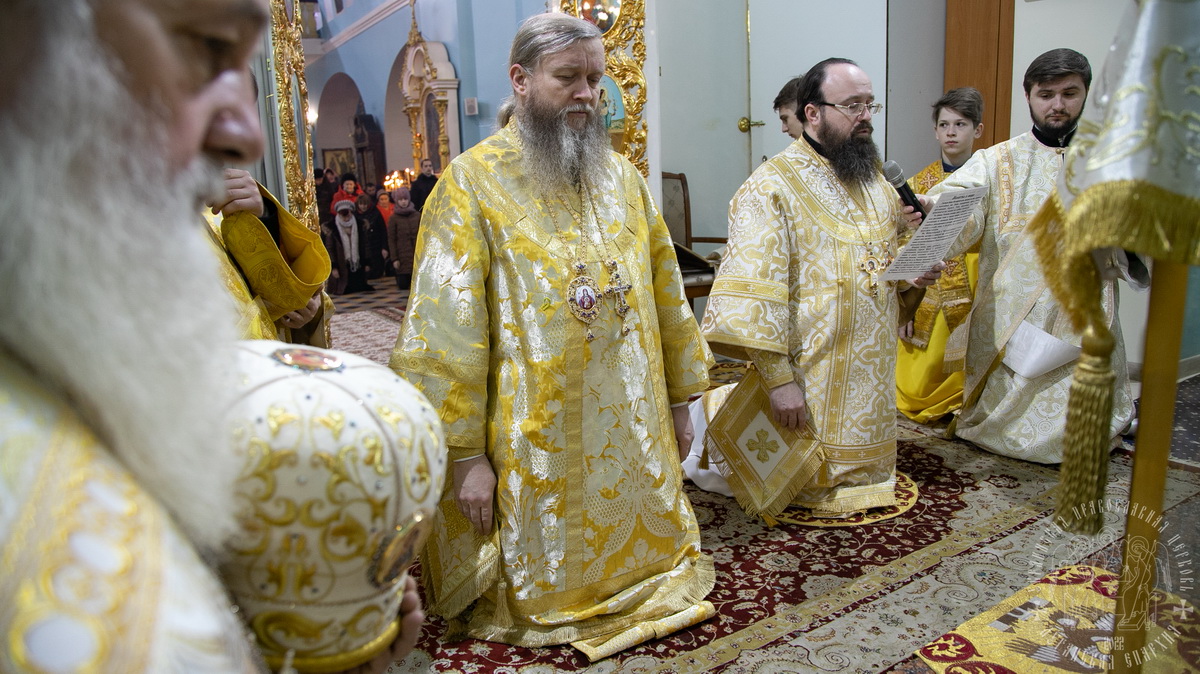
column 333, row 134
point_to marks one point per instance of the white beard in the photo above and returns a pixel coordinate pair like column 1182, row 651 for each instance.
column 110, row 289
column 556, row 157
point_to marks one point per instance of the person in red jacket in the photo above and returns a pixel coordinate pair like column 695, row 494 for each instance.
column 349, row 191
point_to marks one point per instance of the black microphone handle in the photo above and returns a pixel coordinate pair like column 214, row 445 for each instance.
column 910, row 199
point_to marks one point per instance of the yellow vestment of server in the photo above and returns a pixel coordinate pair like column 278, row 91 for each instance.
column 929, row 377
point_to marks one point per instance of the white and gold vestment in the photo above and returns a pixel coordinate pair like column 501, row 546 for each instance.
column 97, row 576
column 798, row 293
column 1012, row 405
column 594, row 537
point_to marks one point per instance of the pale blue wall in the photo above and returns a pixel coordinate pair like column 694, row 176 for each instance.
column 477, row 35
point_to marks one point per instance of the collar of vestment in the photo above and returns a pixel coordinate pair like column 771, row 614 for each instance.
column 1054, row 141
column 815, row 145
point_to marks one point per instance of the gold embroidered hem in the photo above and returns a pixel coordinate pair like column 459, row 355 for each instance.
column 604, row 646
column 674, row 602
column 852, row 499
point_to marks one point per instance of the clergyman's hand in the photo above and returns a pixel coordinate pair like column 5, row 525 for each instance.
column 241, row 194
column 788, row 406
column 474, row 489
column 411, row 619
column 300, row 317
column 905, row 331
column 930, row 277
column 684, row 433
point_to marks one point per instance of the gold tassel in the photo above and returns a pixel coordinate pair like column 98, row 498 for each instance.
column 1084, row 470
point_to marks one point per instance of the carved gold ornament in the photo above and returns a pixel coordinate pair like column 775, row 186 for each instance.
column 623, row 23
column 292, row 100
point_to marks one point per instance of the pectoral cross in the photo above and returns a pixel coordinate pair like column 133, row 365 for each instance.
column 872, row 264
column 617, row 289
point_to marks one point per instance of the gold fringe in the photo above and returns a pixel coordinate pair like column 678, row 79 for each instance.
column 1084, row 470
column 781, row 500
column 469, row 581
column 1130, row 214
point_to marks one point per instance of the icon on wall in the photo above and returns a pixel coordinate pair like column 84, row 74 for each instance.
column 612, row 109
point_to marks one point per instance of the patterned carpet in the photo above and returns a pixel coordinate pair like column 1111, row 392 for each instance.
column 858, row 599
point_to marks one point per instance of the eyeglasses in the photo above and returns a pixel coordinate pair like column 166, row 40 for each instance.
column 855, row 109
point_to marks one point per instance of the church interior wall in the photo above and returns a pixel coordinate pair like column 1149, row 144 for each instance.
column 477, row 36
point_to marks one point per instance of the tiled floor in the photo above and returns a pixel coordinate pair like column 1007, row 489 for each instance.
column 385, row 296
column 1185, row 442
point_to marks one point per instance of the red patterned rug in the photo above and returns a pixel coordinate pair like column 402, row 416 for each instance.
column 795, row 598
column 862, row 599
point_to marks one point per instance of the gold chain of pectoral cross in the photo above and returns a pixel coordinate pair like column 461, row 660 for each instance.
column 873, row 262
column 583, row 293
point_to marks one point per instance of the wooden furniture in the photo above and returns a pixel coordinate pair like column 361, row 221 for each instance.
column 697, row 273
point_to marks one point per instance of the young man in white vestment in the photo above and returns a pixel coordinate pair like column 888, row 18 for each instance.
column 798, row 294
column 548, row 324
column 117, row 337
column 1021, row 349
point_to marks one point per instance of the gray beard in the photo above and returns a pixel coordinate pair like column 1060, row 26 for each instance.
column 557, row 157
column 854, row 160
column 111, row 293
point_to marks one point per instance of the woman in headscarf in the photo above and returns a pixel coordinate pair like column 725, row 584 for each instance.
column 402, row 236
column 377, row 253
column 346, row 239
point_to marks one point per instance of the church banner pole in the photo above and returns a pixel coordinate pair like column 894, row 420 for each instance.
column 1164, row 328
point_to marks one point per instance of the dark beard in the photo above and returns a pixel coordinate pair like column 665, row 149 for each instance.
column 854, row 159
column 1056, row 130
column 556, row 156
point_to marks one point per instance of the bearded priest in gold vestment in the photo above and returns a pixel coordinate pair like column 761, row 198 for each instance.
column 799, row 295
column 548, row 325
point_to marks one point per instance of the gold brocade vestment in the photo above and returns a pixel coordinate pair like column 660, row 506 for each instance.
column 594, row 539
column 1004, row 411
column 97, row 575
column 791, row 285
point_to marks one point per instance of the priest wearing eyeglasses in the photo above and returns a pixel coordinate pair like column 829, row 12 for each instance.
column 799, row 295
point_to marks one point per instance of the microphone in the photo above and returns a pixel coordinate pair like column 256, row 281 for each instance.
column 894, row 175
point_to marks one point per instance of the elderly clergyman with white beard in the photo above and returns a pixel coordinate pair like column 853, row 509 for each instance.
column 115, row 332
column 549, row 326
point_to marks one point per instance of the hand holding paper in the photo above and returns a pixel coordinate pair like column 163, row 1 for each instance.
column 936, row 234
